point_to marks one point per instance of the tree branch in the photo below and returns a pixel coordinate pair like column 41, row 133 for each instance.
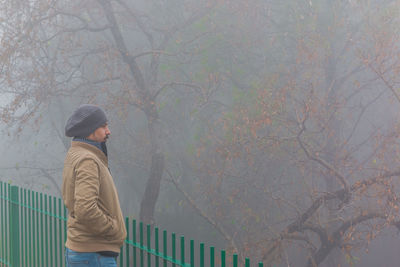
column 325, row 164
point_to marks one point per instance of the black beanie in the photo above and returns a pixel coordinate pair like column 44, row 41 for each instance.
column 85, row 120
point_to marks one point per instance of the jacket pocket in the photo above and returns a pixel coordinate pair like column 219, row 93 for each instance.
column 117, row 231
column 113, row 231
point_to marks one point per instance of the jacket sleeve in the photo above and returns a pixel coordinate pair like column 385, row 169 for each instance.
column 87, row 211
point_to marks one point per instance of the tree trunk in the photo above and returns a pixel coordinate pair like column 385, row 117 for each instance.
column 152, row 189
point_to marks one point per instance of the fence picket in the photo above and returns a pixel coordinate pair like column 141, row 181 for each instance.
column 7, row 245
column 37, row 229
column 165, row 246
column 33, row 229
column 55, row 232
column 182, row 249
column 191, row 253
column 60, row 241
column 212, row 257
column 173, row 241
column 51, row 231
column 26, row 231
column 141, row 244
column 201, row 255
column 14, row 227
column 127, row 245
column 134, row 241
column 46, row 234
column 148, row 246
column 157, row 246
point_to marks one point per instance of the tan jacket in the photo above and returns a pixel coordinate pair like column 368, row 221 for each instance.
column 95, row 221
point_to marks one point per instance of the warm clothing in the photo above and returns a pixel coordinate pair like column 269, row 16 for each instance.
column 95, row 221
column 85, row 120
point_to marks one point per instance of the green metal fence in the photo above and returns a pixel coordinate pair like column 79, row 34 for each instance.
column 33, row 233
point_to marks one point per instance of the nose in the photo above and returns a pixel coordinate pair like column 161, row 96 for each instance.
column 108, row 132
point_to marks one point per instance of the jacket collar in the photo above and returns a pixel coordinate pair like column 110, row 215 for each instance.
column 92, row 149
column 102, row 146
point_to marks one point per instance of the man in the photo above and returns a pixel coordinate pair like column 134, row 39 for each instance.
column 95, row 226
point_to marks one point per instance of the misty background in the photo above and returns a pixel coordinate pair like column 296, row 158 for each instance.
column 268, row 128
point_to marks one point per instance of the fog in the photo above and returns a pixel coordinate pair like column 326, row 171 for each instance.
column 268, row 128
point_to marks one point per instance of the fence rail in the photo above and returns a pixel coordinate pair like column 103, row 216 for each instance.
column 33, row 233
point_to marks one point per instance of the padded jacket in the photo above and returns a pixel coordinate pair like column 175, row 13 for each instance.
column 95, row 221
